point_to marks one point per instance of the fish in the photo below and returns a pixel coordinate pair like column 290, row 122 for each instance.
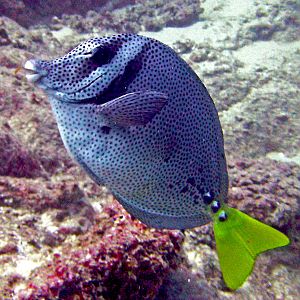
column 138, row 120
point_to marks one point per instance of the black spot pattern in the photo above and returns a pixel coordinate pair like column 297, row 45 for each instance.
column 159, row 171
column 184, row 190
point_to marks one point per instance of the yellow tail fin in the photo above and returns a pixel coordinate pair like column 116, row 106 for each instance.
column 239, row 239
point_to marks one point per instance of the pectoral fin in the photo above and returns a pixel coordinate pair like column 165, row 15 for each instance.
column 134, row 109
column 239, row 240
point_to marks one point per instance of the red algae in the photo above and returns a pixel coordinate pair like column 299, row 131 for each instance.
column 118, row 258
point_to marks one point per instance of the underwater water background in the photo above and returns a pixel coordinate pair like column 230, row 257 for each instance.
column 64, row 237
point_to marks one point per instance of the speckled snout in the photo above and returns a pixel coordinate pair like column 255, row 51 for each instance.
column 86, row 71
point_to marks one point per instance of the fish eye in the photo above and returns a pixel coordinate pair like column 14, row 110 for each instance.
column 102, row 55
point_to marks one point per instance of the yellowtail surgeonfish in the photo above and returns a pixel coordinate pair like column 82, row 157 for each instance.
column 138, row 120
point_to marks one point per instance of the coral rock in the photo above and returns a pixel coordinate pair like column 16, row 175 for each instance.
column 16, row 160
column 118, row 258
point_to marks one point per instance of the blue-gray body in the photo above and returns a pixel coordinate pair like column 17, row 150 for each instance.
column 159, row 167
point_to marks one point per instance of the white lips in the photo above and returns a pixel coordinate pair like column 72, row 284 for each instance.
column 33, row 77
column 30, row 66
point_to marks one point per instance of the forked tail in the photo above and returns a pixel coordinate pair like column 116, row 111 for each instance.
column 239, row 239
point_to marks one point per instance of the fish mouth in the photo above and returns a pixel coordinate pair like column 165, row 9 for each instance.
column 32, row 72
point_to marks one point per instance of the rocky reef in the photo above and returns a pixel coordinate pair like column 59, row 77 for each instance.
column 32, row 12
column 115, row 258
column 118, row 15
column 64, row 237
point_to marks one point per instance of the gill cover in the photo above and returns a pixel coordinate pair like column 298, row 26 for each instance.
column 239, row 240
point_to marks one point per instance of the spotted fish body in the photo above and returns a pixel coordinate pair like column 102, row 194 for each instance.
column 160, row 170
column 139, row 121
